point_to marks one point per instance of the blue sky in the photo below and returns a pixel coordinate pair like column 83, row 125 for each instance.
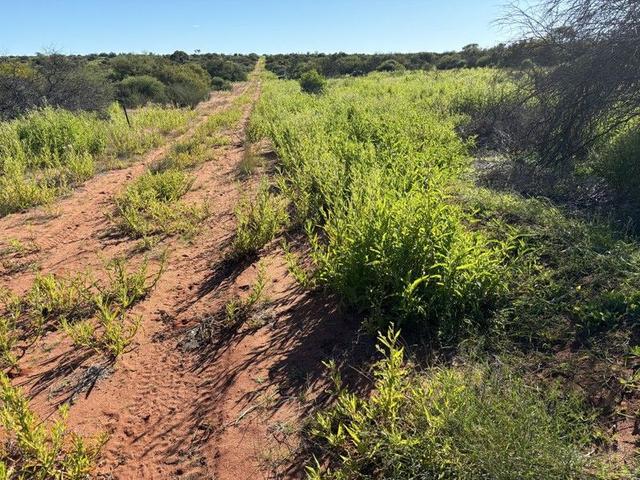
column 261, row 26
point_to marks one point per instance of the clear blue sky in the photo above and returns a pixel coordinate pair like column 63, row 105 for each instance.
column 261, row 26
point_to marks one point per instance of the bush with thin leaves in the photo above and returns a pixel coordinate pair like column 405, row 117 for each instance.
column 37, row 451
column 461, row 422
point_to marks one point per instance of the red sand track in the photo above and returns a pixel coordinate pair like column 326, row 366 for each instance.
column 227, row 411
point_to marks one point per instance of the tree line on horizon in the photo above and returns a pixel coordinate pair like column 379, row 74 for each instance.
column 522, row 53
column 92, row 82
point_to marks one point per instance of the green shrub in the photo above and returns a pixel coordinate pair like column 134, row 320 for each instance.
column 218, row 83
column 227, row 70
column 114, row 333
column 468, row 422
column 139, row 90
column 619, row 163
column 49, row 151
column 49, row 136
column 258, row 221
column 18, row 192
column 370, row 163
column 408, row 256
column 390, row 66
column 186, row 84
column 38, row 451
column 150, row 206
column 312, row 82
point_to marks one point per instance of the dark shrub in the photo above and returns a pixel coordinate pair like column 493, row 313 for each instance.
column 619, row 164
column 226, row 70
column 140, row 90
column 390, row 66
column 218, row 83
column 179, row 57
column 449, row 62
column 18, row 90
column 312, row 82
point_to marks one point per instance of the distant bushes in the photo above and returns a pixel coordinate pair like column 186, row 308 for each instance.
column 218, row 83
column 226, row 69
column 293, row 65
column 54, row 80
column 93, row 82
column 390, row 66
column 159, row 80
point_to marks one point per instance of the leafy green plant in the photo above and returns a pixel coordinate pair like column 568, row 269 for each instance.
column 238, row 310
column 258, row 221
column 450, row 422
column 304, row 278
column 125, row 288
column 52, row 298
column 37, row 451
column 49, row 151
column 113, row 334
column 312, row 82
column 150, row 206
column 93, row 313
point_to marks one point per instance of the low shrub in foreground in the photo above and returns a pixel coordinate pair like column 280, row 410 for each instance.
column 258, row 221
column 151, row 205
column 93, row 313
column 37, row 451
column 451, row 422
column 410, row 256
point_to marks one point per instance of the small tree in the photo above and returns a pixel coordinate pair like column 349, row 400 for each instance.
column 596, row 89
column 179, row 57
column 312, row 82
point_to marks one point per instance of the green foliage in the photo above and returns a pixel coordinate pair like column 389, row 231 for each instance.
column 258, row 221
column 186, row 84
column 139, row 90
column 455, row 422
column 47, row 152
column 218, row 83
column 238, row 310
column 49, row 135
column 38, row 451
column 226, row 70
column 390, row 66
column 150, row 206
column 618, row 162
column 312, row 82
column 370, row 162
column 52, row 298
column 114, row 333
column 592, row 271
column 408, row 256
column 72, row 302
